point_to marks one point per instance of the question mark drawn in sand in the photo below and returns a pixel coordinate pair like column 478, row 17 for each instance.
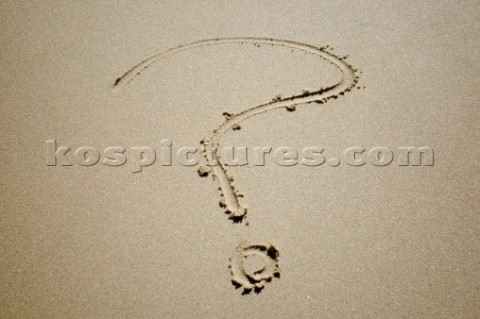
column 230, row 197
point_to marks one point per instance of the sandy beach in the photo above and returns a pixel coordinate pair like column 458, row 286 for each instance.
column 358, row 196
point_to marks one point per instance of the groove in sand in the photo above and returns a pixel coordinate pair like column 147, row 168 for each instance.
column 230, row 196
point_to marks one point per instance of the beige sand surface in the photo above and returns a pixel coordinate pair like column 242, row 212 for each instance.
column 329, row 241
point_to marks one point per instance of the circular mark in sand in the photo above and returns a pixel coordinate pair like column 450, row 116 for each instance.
column 252, row 266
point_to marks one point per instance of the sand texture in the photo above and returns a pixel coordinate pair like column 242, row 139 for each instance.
column 118, row 198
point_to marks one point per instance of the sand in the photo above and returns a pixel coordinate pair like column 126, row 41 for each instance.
column 111, row 230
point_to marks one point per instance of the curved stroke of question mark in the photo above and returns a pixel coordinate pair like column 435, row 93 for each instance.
column 230, row 195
